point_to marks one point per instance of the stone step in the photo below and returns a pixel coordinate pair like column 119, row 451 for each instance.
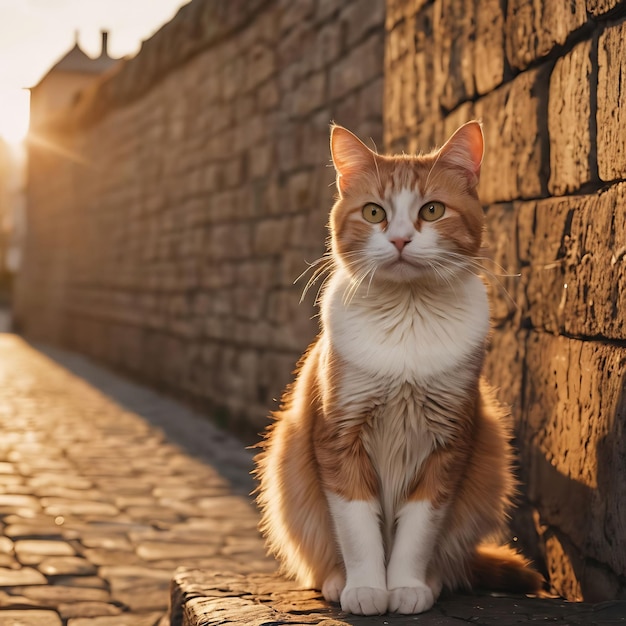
column 204, row 598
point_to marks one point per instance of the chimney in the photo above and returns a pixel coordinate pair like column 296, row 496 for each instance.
column 105, row 40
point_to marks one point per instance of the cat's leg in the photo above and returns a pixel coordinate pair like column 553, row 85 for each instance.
column 333, row 585
column 410, row 591
column 357, row 526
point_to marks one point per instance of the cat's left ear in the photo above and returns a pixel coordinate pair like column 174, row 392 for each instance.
column 351, row 157
column 465, row 150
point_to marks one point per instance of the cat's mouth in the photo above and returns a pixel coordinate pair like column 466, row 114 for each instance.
column 404, row 267
column 402, row 260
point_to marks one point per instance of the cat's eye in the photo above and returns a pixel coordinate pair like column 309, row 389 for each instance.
column 432, row 211
column 374, row 213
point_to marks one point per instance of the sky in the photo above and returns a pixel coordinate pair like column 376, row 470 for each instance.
column 35, row 34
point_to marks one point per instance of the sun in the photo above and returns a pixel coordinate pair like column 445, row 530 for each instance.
column 14, row 114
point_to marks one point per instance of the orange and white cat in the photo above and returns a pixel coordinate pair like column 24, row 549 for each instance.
column 388, row 466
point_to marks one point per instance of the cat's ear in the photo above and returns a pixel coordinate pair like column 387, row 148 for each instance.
column 465, row 150
column 351, row 157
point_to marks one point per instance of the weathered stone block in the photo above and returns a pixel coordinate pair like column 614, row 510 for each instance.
column 454, row 48
column 489, row 54
column 573, row 445
column 361, row 16
column 230, row 241
column 268, row 95
column 515, row 143
column 270, row 236
column 611, row 115
column 599, row 7
column 310, row 95
column 31, row 617
column 533, row 29
column 209, row 598
column 398, row 10
column 362, row 64
column 412, row 97
column 261, row 64
column 328, row 45
column 291, row 13
column 577, row 276
column 569, row 113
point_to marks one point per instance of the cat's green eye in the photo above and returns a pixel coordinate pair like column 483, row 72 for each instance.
column 432, row 211
column 374, row 213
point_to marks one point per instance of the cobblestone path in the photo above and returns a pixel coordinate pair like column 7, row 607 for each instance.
column 105, row 489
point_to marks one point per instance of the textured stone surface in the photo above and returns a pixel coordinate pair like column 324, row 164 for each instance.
column 206, row 598
column 489, row 45
column 533, row 29
column 569, row 118
column 576, row 281
column 454, row 34
column 30, row 618
column 599, row 7
column 23, row 576
column 548, row 85
column 514, row 165
column 89, row 565
column 173, row 256
column 208, row 177
column 611, row 118
column 573, row 451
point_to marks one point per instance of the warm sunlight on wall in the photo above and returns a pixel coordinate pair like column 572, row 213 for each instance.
column 14, row 114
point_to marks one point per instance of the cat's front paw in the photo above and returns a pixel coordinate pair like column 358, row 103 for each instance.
column 364, row 600
column 410, row 600
column 333, row 586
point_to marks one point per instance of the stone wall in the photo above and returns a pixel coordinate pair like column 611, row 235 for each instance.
column 547, row 79
column 172, row 208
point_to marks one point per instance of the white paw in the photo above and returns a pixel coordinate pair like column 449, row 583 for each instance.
column 409, row 600
column 333, row 586
column 364, row 600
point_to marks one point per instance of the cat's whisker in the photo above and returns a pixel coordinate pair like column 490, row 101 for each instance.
column 369, row 284
column 478, row 261
column 321, row 287
column 325, row 267
column 440, row 269
column 355, row 283
column 471, row 264
column 325, row 264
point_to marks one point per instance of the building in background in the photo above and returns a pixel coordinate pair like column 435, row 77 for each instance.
column 58, row 90
column 61, row 85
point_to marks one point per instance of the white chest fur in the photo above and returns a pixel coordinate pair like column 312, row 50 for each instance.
column 405, row 352
column 400, row 333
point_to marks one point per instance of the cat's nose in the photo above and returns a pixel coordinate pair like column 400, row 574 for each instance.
column 400, row 242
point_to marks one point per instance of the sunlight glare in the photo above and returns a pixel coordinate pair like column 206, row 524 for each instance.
column 14, row 114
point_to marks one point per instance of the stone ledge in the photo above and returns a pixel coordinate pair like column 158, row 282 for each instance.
column 201, row 598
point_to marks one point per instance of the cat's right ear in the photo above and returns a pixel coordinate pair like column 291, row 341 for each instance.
column 351, row 157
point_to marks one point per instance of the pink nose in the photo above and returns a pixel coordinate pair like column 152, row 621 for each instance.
column 400, row 243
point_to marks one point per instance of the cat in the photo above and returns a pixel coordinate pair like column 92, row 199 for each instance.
column 387, row 468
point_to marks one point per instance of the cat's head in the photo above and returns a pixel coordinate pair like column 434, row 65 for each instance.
column 407, row 218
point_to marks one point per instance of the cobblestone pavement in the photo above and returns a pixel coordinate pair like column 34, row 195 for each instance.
column 105, row 489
